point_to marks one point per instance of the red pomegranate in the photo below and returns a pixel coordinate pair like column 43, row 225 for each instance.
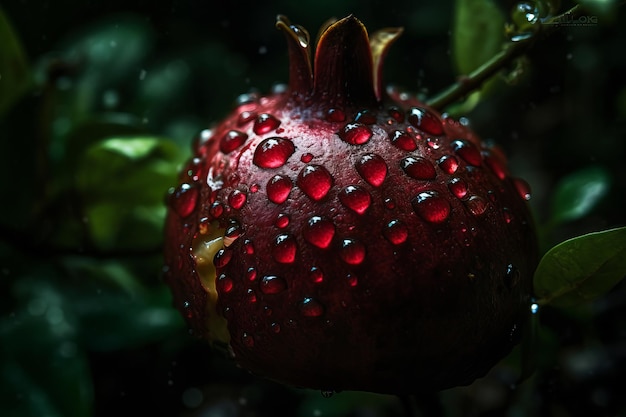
column 336, row 236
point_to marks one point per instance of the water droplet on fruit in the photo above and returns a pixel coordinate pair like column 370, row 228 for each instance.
column 306, row 157
column 355, row 133
column 278, row 189
column 232, row 233
column 222, row 257
column 309, row 307
column 224, row 284
column 201, row 139
column 448, row 164
column 508, row 216
column 285, row 249
column 248, row 247
column 355, row 198
column 254, row 188
column 352, row 251
column 245, row 117
column 477, row 205
column 271, row 284
column 264, row 123
column 273, row 152
column 352, row 279
column 251, row 274
column 431, row 206
column 372, row 168
column 316, row 275
column 366, row 117
column 335, row 115
column 184, row 199
column 458, row 187
column 319, row 232
column 232, row 140
column 315, row 181
column 467, row 151
column 282, row 221
column 216, row 209
column 402, row 140
column 396, row 232
column 251, row 295
column 512, row 276
column 418, row 168
column 496, row 167
column 534, row 308
column 237, row 199
column 396, row 113
column 522, row 188
column 426, row 121
column 275, row 327
column 247, row 340
column 247, row 98
column 390, row 203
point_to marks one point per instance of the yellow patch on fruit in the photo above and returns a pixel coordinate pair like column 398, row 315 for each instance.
column 209, row 241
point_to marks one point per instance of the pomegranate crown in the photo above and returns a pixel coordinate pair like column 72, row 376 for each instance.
column 348, row 63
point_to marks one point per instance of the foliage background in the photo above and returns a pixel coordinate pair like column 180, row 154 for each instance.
column 97, row 109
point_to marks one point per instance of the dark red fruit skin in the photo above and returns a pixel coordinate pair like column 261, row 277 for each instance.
column 425, row 289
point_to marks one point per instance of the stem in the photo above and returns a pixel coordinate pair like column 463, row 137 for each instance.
column 510, row 51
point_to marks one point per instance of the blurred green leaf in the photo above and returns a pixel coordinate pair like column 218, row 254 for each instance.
column 579, row 193
column 603, row 8
column 122, row 182
column 15, row 75
column 44, row 371
column 581, row 269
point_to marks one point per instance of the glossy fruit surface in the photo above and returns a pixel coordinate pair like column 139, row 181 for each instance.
column 335, row 236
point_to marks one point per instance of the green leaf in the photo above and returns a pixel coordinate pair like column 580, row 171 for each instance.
column 15, row 74
column 581, row 269
column 579, row 193
column 600, row 8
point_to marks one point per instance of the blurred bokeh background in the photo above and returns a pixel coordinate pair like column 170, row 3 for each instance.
column 99, row 102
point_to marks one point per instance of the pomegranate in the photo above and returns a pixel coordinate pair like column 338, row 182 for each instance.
column 337, row 236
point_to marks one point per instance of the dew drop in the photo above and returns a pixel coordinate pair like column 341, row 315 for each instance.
column 426, row 121
column 232, row 140
column 319, row 232
column 467, row 151
column 316, row 275
column 355, row 198
column 222, row 257
column 372, row 168
column 285, row 249
column 247, row 340
column 402, row 140
column 433, row 143
column 522, row 187
column 396, row 113
column 352, row 251
column 335, row 115
column 512, row 276
column 508, row 216
column 309, row 307
column 431, row 206
column 315, row 181
column 278, row 189
column 448, row 164
column 251, row 295
column 534, row 308
column 232, row 233
column 458, row 187
column 355, row 133
column 216, row 209
column 273, row 152
column 224, row 284
column 496, row 167
column 184, row 199
column 390, row 203
column 275, row 327
column 477, row 205
column 306, row 157
column 418, row 168
column 352, row 279
column 282, row 221
column 251, row 274
column 245, row 117
column 237, row 199
column 366, row 117
column 248, row 247
column 264, row 123
column 254, row 188
column 396, row 232
column 271, row 284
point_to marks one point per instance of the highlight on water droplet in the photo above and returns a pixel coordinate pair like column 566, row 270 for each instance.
column 316, row 275
column 352, row 280
column 403, row 140
column 232, row 140
column 477, row 205
column 264, row 123
column 396, row 232
column 282, row 221
column 367, row 117
column 449, row 164
column 271, row 284
column 467, row 151
column 335, row 115
column 306, row 157
column 355, row 133
column 418, row 168
column 372, row 168
column 216, row 209
column 356, row 198
column 285, row 249
column 424, row 120
column 396, row 113
column 315, row 181
column 430, row 206
column 319, row 232
column 247, row 340
column 309, row 307
column 278, row 189
column 232, row 233
column 273, row 152
column 237, row 199
column 184, row 199
column 458, row 187
column 352, row 251
column 248, row 247
column 224, row 284
column 245, row 117
column 496, row 166
column 522, row 187
column 222, row 257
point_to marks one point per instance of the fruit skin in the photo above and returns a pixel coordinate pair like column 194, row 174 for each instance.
column 287, row 246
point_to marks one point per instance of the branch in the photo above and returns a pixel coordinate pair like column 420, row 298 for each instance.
column 510, row 51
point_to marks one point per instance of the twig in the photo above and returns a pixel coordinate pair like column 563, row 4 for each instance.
column 509, row 52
